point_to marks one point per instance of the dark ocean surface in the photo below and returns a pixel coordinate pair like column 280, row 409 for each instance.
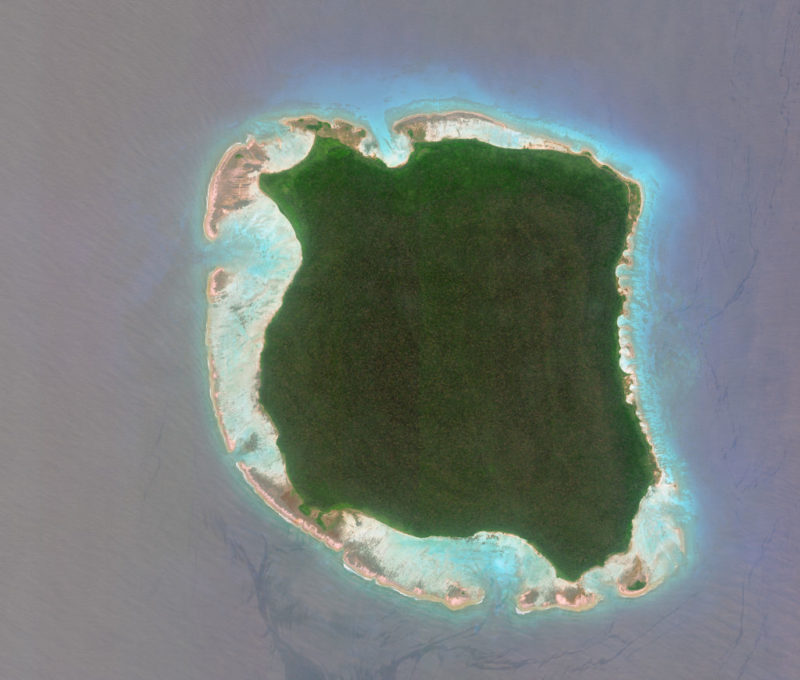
column 131, row 549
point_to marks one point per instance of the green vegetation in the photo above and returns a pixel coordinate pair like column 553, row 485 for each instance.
column 637, row 585
column 319, row 125
column 446, row 358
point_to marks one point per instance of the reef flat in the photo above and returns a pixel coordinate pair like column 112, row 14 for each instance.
column 263, row 254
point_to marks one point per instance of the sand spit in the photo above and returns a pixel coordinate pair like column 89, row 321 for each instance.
column 417, row 127
column 469, row 125
column 569, row 596
column 232, row 183
column 217, row 280
column 244, row 294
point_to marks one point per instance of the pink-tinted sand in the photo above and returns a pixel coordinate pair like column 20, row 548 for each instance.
column 298, row 519
column 572, row 597
column 231, row 185
column 457, row 599
column 216, row 282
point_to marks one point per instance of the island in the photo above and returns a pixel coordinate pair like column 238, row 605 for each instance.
column 421, row 354
column 446, row 358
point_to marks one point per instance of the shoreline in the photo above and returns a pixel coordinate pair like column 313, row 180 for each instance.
column 461, row 116
column 570, row 596
column 454, row 602
column 456, row 598
column 230, row 187
column 626, row 350
column 579, row 602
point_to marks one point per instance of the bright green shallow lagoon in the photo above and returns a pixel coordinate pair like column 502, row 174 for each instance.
column 446, row 359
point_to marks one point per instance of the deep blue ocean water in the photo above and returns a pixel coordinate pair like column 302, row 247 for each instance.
column 132, row 549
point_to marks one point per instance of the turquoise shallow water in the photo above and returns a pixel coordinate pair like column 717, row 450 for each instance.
column 256, row 243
